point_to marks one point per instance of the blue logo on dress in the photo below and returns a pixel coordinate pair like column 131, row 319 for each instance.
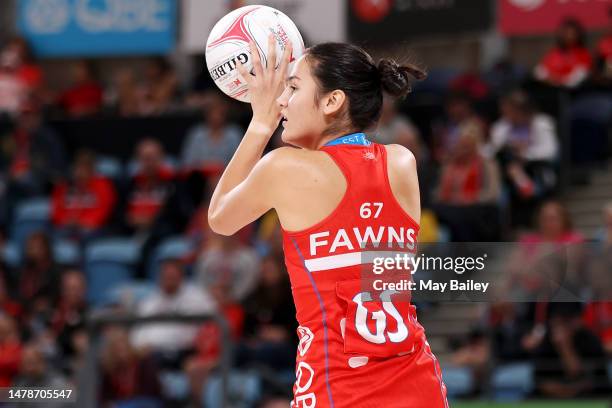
column 356, row 139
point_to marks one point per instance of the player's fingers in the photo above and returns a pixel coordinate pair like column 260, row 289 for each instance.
column 256, row 59
column 285, row 60
column 243, row 72
column 271, row 53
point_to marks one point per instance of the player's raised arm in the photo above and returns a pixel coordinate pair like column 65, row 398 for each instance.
column 245, row 190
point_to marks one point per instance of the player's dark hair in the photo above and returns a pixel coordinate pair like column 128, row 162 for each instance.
column 352, row 70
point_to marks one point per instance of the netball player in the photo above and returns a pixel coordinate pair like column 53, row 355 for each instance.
column 336, row 194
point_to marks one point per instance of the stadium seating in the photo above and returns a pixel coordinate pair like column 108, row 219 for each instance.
column 30, row 216
column 109, row 167
column 66, row 252
column 109, row 263
column 459, row 381
column 130, row 294
column 10, row 254
column 244, row 389
column 512, row 382
column 172, row 247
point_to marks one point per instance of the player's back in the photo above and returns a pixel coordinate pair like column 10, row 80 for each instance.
column 359, row 346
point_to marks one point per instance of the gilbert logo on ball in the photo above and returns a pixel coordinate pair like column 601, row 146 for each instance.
column 228, row 43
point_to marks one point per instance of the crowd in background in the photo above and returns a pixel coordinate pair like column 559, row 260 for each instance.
column 488, row 161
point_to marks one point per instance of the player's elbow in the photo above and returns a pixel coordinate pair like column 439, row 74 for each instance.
column 218, row 224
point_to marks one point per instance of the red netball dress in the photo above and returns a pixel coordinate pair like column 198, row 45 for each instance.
column 358, row 347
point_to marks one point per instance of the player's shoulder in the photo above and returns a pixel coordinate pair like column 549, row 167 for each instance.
column 400, row 158
column 286, row 163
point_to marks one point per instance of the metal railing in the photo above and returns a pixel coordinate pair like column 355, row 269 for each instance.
column 88, row 378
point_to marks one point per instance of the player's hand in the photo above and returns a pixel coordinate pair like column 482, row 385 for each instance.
column 266, row 84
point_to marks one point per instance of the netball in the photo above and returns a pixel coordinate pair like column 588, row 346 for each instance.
column 228, row 43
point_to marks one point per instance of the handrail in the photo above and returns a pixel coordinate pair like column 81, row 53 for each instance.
column 87, row 395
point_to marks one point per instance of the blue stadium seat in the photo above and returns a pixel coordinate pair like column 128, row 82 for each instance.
column 108, row 264
column 244, row 389
column 459, row 381
column 10, row 254
column 109, row 167
column 512, row 382
column 30, row 216
column 175, row 384
column 129, row 294
column 66, row 252
column 172, row 247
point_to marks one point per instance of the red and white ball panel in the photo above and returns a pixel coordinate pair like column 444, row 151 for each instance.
column 228, row 43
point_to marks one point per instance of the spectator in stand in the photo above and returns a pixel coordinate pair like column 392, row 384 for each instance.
column 149, row 188
column 13, row 90
column 598, row 313
column 570, row 360
column 20, row 76
column 460, row 112
column 126, row 375
column 123, row 94
column 10, row 351
column 226, row 259
column 567, row 64
column 82, row 206
column 210, row 146
column 27, row 69
column 208, row 339
column 270, row 319
column 393, row 127
column 597, row 317
column 159, row 89
column 603, row 56
column 532, row 268
column 174, row 295
column 469, row 188
column 525, row 143
column 32, row 158
column 509, row 323
column 35, row 372
column 474, row 353
column 467, row 177
column 39, row 275
column 604, row 235
column 84, row 97
column 8, row 305
column 70, row 312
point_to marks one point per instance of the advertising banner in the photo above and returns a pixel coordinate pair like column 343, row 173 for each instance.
column 58, row 28
column 396, row 20
column 317, row 20
column 525, row 17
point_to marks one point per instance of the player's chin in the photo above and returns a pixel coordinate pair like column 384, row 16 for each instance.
column 285, row 135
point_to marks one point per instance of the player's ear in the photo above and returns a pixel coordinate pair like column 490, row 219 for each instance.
column 333, row 101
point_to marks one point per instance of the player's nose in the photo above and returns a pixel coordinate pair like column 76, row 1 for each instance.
column 283, row 98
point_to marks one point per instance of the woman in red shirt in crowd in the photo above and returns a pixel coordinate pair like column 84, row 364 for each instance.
column 10, row 351
column 569, row 62
column 82, row 206
column 85, row 95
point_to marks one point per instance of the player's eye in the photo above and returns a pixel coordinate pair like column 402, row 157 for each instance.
column 293, row 88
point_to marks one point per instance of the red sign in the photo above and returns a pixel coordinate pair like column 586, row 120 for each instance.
column 518, row 17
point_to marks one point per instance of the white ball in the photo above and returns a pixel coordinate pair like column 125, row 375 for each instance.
column 228, row 42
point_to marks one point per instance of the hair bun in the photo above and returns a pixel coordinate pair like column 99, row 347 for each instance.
column 397, row 79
